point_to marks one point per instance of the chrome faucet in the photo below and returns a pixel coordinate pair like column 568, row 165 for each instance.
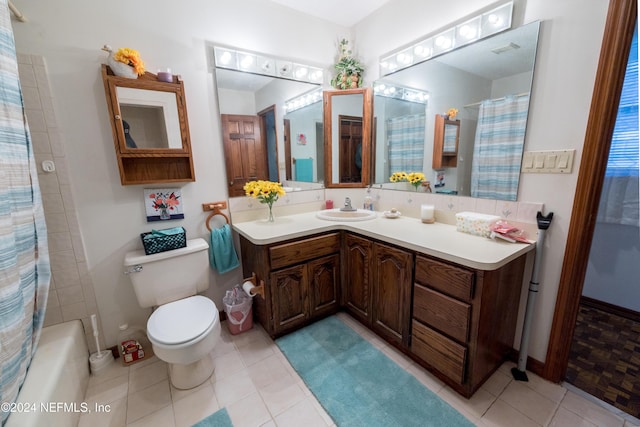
column 347, row 205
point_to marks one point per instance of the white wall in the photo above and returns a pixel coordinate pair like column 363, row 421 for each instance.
column 567, row 58
column 69, row 35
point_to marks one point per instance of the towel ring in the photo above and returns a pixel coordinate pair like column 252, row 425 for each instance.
column 216, row 211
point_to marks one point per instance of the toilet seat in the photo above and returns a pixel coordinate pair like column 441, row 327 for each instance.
column 181, row 321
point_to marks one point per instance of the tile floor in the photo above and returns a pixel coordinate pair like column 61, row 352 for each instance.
column 256, row 384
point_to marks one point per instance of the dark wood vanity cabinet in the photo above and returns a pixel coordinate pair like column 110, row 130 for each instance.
column 302, row 280
column 464, row 320
column 377, row 286
column 455, row 321
column 357, row 265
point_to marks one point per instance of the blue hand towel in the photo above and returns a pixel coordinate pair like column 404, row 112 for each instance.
column 222, row 254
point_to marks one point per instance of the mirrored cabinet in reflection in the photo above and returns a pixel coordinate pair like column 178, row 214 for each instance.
column 150, row 128
column 446, row 137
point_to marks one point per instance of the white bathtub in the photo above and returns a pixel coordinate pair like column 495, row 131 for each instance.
column 56, row 381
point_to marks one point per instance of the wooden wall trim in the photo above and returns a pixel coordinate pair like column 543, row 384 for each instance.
column 621, row 19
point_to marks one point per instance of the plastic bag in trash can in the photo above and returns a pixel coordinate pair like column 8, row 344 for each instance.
column 237, row 305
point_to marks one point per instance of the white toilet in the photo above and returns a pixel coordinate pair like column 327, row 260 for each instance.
column 184, row 327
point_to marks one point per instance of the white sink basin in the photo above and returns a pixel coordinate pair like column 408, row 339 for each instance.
column 338, row 215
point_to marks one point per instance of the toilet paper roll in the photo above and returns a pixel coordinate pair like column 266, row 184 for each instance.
column 247, row 287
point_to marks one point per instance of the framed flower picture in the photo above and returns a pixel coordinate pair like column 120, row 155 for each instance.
column 163, row 204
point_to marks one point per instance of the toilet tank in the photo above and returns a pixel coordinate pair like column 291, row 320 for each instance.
column 168, row 276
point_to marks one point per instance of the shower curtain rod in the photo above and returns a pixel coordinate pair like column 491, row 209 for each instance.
column 477, row 104
column 19, row 16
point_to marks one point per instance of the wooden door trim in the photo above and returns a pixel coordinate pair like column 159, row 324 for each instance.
column 620, row 23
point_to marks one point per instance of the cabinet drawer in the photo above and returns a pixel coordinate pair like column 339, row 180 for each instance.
column 444, row 313
column 439, row 351
column 454, row 281
column 303, row 250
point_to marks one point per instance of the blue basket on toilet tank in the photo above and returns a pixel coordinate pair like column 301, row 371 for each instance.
column 164, row 240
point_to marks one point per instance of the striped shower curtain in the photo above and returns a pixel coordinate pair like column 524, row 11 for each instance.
column 24, row 257
column 497, row 153
column 405, row 139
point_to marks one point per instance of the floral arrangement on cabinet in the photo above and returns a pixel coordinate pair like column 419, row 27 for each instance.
column 451, row 114
column 414, row 178
column 125, row 62
column 266, row 192
column 349, row 69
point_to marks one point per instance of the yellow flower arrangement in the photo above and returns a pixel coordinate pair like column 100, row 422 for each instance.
column 130, row 57
column 414, row 178
column 398, row 177
column 452, row 113
column 266, row 192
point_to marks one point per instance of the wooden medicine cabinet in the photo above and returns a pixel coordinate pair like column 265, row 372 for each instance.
column 150, row 128
column 445, row 142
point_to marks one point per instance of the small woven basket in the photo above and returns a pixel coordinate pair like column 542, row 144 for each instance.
column 154, row 245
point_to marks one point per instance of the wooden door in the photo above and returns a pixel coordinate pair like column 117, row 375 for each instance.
column 290, row 298
column 324, row 279
column 245, row 155
column 350, row 149
column 391, row 285
column 357, row 277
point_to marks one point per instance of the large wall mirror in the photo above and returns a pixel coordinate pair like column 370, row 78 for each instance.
column 347, row 134
column 485, row 80
column 264, row 136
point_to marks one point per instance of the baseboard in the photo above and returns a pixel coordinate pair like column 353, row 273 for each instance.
column 611, row 308
column 533, row 365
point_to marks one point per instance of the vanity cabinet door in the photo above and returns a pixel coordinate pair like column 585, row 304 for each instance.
column 392, row 292
column 324, row 278
column 290, row 299
column 357, row 277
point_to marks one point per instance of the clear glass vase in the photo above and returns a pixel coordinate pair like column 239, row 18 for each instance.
column 270, row 217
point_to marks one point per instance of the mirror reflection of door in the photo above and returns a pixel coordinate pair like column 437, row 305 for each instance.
column 350, row 157
column 244, row 151
column 270, row 138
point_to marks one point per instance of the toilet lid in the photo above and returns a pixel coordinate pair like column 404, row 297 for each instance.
column 181, row 321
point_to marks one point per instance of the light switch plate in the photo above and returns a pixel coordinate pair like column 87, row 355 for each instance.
column 560, row 161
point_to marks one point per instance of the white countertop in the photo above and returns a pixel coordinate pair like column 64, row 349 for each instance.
column 439, row 240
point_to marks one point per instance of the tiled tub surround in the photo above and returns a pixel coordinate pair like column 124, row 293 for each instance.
column 71, row 294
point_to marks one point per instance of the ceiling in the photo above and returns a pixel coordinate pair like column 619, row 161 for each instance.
column 345, row 13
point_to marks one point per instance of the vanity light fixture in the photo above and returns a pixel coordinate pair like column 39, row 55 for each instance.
column 480, row 26
column 307, row 98
column 400, row 92
column 239, row 60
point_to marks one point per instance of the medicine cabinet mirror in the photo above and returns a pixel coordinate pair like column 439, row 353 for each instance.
column 486, row 72
column 446, row 137
column 150, row 128
column 347, row 137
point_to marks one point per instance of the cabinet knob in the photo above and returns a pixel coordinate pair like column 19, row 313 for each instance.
column 230, row 183
column 118, row 117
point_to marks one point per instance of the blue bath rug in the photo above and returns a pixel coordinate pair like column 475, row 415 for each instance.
column 217, row 419
column 358, row 385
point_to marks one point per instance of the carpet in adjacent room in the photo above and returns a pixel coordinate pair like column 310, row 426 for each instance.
column 357, row 384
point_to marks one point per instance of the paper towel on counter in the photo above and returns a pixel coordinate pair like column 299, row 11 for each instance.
column 475, row 223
